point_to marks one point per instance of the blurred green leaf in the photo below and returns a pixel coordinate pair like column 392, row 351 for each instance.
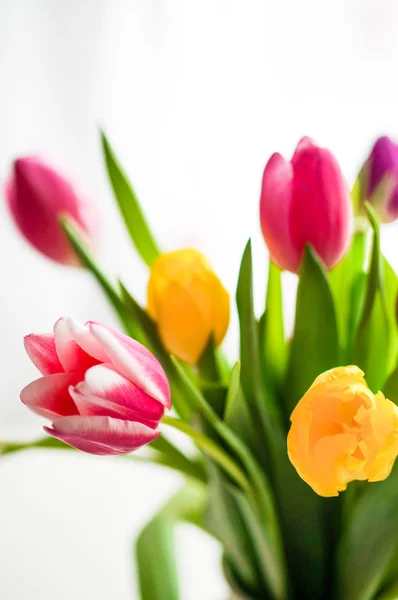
column 76, row 240
column 369, row 541
column 211, row 449
column 390, row 388
column 226, row 523
column 273, row 345
column 315, row 345
column 358, row 191
column 155, row 547
column 237, row 414
column 347, row 282
column 263, row 498
column 390, row 594
column 265, row 413
column 375, row 346
column 129, row 206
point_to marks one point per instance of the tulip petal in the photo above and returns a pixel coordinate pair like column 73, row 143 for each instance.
column 134, row 361
column 183, row 327
column 49, row 396
column 37, row 195
column 41, row 351
column 72, row 357
column 275, row 208
column 102, row 435
column 105, row 392
column 321, row 211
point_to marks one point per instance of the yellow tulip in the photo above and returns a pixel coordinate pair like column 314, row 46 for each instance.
column 341, row 431
column 188, row 303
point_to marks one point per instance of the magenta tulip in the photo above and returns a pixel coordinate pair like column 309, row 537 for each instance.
column 305, row 201
column 37, row 196
column 104, row 392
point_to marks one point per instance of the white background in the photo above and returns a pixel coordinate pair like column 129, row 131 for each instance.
column 194, row 96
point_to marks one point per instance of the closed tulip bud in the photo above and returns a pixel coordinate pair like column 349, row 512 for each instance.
column 381, row 177
column 37, row 197
column 104, row 392
column 188, row 303
column 342, row 432
column 305, row 201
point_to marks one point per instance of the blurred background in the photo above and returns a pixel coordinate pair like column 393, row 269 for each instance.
column 194, row 98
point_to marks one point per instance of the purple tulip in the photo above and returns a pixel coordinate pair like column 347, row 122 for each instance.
column 382, row 179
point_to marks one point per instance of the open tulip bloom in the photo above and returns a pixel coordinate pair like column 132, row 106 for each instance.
column 297, row 441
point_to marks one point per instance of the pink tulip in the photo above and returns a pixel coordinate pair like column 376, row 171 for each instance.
column 37, row 196
column 305, row 201
column 104, row 392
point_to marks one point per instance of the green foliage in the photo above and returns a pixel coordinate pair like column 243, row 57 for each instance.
column 315, row 344
column 369, row 541
column 155, row 549
column 129, row 206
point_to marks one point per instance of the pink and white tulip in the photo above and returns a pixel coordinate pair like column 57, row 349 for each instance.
column 104, row 392
column 37, row 196
column 305, row 201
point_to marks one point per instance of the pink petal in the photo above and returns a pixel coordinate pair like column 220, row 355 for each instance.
column 321, row 213
column 49, row 396
column 41, row 351
column 134, row 361
column 275, row 206
column 102, row 435
column 105, row 392
column 73, row 358
column 37, row 195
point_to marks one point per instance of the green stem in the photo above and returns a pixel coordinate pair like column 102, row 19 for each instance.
column 211, row 449
column 161, row 453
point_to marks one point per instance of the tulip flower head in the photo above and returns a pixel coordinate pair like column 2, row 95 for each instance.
column 342, row 432
column 305, row 201
column 188, row 302
column 104, row 392
column 381, row 171
column 37, row 197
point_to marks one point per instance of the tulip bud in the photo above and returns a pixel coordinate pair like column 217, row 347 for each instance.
column 37, row 196
column 342, row 432
column 104, row 392
column 381, row 171
column 305, row 201
column 188, row 303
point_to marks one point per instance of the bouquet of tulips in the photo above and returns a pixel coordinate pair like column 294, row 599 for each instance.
column 296, row 442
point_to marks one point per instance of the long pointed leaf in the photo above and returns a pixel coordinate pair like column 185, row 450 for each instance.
column 129, row 206
column 155, row 548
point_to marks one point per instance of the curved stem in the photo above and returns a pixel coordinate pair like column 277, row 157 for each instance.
column 212, row 449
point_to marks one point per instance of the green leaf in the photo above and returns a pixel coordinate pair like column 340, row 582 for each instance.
column 74, row 236
column 390, row 594
column 358, row 191
column 390, row 388
column 265, row 413
column 155, row 548
column 208, row 365
column 315, row 345
column 264, row 498
column 225, row 521
column 273, row 339
column 237, row 415
column 375, row 346
column 161, row 452
column 129, row 206
column 369, row 541
column 347, row 282
column 211, row 449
